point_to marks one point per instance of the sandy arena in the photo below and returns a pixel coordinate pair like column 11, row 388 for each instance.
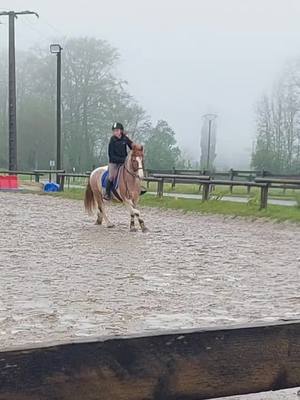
column 63, row 277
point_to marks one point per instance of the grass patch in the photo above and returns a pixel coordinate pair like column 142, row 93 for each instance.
column 72, row 194
column 279, row 213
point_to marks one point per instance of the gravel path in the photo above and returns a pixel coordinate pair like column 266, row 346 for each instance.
column 64, row 277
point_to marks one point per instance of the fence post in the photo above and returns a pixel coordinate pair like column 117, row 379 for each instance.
column 36, row 178
column 62, row 182
column 174, row 180
column 205, row 191
column 264, row 196
column 249, row 187
column 160, row 188
column 231, row 177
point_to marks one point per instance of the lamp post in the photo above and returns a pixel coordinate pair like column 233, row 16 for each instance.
column 56, row 49
column 209, row 118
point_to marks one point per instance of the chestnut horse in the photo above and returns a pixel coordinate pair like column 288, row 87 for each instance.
column 128, row 190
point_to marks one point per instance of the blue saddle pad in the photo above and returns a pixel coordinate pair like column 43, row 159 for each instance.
column 104, row 180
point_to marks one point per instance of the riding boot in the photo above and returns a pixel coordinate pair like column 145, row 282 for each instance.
column 108, row 190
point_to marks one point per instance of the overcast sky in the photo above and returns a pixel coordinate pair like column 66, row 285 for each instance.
column 182, row 58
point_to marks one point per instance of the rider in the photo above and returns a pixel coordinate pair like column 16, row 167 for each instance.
column 117, row 153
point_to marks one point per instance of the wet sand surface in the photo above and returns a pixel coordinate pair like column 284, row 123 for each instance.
column 63, row 277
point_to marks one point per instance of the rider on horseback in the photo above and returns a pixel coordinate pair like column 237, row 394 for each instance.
column 117, row 153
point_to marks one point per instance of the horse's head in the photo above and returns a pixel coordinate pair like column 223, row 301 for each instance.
column 136, row 160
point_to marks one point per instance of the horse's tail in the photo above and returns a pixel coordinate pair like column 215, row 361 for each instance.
column 89, row 199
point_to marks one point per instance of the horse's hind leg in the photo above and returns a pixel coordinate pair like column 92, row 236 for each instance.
column 105, row 217
column 99, row 216
column 102, row 216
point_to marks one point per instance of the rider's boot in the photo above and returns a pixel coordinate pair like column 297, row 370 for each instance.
column 107, row 195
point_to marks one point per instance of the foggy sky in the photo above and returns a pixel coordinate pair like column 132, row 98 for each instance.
column 182, row 58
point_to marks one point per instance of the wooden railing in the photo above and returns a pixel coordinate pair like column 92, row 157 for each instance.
column 206, row 182
column 196, row 364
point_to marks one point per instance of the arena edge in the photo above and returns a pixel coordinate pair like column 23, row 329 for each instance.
column 277, row 213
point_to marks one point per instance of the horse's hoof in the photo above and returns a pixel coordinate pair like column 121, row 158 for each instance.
column 145, row 230
column 110, row 226
column 133, row 230
column 98, row 223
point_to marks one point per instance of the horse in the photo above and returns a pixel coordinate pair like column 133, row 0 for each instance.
column 128, row 191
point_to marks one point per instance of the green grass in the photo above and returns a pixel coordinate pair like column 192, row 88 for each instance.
column 73, row 194
column 279, row 213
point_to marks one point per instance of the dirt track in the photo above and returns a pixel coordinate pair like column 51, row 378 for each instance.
column 64, row 277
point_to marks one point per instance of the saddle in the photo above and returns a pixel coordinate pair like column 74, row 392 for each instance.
column 115, row 182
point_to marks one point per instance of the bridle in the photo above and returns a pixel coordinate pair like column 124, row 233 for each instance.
column 134, row 174
column 135, row 169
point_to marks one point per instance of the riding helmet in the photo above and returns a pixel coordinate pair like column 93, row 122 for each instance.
column 117, row 125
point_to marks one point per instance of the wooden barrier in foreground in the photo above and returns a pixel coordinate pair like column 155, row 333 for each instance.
column 189, row 365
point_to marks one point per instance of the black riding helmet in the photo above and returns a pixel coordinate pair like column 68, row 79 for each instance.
column 117, row 125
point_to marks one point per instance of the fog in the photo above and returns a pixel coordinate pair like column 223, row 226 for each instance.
column 182, row 59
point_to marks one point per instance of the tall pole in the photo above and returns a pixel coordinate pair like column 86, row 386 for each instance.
column 210, row 118
column 58, row 113
column 208, row 144
column 12, row 117
column 12, row 108
column 56, row 49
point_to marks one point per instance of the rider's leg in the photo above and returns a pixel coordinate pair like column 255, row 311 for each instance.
column 108, row 190
column 112, row 172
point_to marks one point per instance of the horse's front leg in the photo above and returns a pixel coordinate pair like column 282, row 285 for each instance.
column 142, row 224
column 134, row 212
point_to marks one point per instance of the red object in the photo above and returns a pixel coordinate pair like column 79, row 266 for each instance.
column 9, row 182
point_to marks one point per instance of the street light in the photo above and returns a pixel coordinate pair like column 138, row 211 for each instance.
column 56, row 49
column 210, row 118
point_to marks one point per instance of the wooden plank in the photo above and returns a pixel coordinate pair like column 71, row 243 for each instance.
column 238, row 183
column 49, row 171
column 21, row 173
column 278, row 181
column 190, row 365
column 172, row 176
column 74, row 175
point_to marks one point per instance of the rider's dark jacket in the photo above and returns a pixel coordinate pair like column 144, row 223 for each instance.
column 117, row 149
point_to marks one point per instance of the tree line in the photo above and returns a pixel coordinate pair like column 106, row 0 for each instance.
column 93, row 97
column 277, row 145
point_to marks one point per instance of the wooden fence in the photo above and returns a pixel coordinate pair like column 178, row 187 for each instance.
column 189, row 365
column 206, row 182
